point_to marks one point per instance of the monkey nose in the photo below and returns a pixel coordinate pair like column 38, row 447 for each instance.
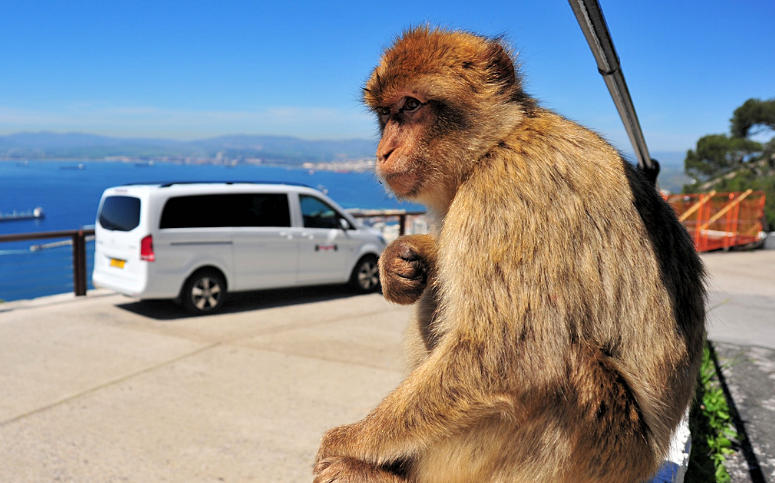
column 382, row 157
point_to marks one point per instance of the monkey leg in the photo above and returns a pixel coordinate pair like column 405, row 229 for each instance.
column 443, row 396
column 350, row 470
column 406, row 266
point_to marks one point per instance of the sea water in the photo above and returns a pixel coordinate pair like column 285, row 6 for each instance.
column 69, row 192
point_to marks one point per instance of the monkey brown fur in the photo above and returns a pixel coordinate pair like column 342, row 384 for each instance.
column 560, row 304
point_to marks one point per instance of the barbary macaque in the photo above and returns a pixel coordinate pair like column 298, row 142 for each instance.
column 559, row 303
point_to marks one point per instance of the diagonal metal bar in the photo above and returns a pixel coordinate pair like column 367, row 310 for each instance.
column 726, row 208
column 703, row 199
column 592, row 23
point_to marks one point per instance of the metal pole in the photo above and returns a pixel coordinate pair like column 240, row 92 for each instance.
column 79, row 263
column 592, row 23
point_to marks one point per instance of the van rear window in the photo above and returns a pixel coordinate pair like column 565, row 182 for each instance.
column 239, row 209
column 120, row 213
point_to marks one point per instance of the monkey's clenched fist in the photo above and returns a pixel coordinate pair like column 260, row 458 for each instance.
column 343, row 469
column 350, row 470
column 406, row 267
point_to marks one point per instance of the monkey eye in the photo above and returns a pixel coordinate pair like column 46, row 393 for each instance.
column 383, row 111
column 411, row 104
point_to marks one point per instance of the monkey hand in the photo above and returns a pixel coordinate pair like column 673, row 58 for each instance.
column 406, row 266
column 331, row 465
column 343, row 469
column 333, row 443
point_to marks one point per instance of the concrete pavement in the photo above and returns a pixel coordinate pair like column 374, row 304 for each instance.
column 105, row 388
column 741, row 297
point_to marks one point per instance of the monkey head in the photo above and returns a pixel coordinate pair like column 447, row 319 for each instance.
column 443, row 99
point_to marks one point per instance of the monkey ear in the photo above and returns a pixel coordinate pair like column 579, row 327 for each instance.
column 500, row 67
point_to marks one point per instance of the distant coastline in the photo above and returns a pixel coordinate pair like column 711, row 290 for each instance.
column 233, row 150
column 333, row 155
column 350, row 166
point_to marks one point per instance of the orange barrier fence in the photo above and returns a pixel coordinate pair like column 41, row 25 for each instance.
column 720, row 220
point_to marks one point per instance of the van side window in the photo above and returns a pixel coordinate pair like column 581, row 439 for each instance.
column 242, row 209
column 317, row 214
column 120, row 213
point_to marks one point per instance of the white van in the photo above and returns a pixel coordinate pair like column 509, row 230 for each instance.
column 195, row 241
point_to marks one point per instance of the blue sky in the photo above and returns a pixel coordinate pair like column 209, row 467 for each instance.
column 198, row 69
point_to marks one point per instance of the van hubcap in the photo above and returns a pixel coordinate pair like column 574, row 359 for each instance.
column 368, row 275
column 205, row 293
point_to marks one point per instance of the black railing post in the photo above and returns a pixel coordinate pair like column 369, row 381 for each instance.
column 78, row 238
column 401, row 223
column 79, row 263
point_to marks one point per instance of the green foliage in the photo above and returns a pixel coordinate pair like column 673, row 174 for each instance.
column 716, row 154
column 737, row 163
column 710, row 422
column 769, row 149
column 753, row 112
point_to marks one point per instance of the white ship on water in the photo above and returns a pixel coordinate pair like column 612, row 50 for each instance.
column 14, row 215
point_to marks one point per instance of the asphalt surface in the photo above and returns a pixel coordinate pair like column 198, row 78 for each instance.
column 105, row 388
column 741, row 327
column 749, row 379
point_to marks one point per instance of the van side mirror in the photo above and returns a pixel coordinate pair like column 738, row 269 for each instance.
column 344, row 224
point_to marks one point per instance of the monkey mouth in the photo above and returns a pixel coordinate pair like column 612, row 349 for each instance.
column 403, row 184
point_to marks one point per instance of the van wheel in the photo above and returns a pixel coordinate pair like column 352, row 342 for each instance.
column 365, row 276
column 204, row 292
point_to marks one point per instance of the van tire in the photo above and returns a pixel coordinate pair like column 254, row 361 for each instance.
column 204, row 292
column 365, row 275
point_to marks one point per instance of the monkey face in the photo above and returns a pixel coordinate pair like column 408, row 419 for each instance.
column 400, row 162
column 443, row 100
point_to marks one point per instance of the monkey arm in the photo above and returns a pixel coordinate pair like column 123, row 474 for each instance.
column 444, row 395
column 406, row 267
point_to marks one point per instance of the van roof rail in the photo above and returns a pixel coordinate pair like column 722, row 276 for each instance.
column 167, row 184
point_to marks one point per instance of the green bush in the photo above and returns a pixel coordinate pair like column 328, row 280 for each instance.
column 710, row 422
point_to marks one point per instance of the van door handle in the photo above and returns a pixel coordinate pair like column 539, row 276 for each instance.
column 286, row 235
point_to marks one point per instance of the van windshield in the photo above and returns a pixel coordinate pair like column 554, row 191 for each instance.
column 120, row 213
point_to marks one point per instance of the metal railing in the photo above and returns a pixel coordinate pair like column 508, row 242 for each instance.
column 78, row 240
column 721, row 220
column 400, row 214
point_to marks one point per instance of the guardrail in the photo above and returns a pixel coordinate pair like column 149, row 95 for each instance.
column 400, row 214
column 78, row 240
column 721, row 220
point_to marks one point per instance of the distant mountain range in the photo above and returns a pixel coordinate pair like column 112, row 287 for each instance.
column 234, row 148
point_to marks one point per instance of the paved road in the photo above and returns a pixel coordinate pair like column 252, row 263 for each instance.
column 741, row 324
column 749, row 376
column 104, row 388
column 742, row 297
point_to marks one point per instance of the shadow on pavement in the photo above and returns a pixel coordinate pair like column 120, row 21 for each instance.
column 242, row 301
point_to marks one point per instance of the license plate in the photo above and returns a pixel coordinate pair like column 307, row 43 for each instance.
column 115, row 262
